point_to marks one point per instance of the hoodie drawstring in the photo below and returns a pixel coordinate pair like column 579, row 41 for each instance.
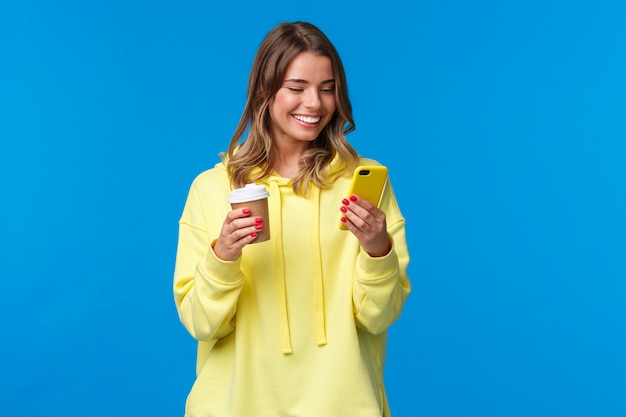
column 280, row 279
column 281, row 286
column 318, row 275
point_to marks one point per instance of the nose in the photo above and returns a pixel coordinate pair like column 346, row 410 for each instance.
column 313, row 99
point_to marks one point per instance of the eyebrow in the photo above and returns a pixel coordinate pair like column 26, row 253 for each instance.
column 300, row 81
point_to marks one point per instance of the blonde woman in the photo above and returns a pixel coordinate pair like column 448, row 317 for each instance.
column 296, row 325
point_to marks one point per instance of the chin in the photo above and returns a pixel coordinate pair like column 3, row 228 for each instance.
column 307, row 137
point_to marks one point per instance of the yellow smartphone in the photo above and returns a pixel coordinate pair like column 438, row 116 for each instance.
column 368, row 182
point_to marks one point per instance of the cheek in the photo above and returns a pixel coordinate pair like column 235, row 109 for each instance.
column 329, row 101
column 330, row 105
column 284, row 103
column 277, row 109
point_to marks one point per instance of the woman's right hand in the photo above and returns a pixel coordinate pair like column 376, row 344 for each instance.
column 238, row 230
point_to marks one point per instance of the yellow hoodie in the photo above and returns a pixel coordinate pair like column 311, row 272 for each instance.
column 297, row 325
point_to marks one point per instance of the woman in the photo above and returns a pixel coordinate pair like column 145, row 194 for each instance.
column 296, row 325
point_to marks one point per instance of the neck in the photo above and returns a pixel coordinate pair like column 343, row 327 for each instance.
column 286, row 168
column 287, row 160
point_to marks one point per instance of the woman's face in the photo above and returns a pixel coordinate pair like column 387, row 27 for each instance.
column 305, row 103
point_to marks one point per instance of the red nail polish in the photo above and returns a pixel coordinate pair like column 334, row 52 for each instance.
column 353, row 197
column 345, row 201
column 252, row 234
column 343, row 219
column 246, row 211
column 258, row 227
column 344, row 209
column 259, row 219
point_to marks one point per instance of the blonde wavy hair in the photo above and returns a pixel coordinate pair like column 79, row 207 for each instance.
column 280, row 46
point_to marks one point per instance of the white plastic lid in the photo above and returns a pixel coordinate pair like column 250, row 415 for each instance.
column 251, row 192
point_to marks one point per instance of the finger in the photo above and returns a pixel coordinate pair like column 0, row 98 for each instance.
column 362, row 218
column 359, row 201
column 361, row 207
column 230, row 244
column 237, row 214
column 241, row 223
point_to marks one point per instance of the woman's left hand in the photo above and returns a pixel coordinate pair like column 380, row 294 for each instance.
column 368, row 223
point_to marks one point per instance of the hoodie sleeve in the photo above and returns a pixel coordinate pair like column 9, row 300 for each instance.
column 206, row 288
column 381, row 285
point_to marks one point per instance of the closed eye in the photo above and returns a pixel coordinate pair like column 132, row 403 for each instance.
column 329, row 85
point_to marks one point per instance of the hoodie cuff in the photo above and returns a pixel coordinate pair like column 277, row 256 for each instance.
column 227, row 272
column 379, row 268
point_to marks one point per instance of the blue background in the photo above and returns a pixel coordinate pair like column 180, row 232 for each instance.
column 502, row 123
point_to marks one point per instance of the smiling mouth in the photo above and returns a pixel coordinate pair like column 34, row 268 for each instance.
column 307, row 119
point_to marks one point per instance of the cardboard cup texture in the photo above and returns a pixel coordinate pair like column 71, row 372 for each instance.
column 253, row 197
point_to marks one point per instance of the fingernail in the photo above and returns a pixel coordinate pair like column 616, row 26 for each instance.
column 258, row 227
column 345, row 201
column 252, row 234
column 259, row 219
column 343, row 219
column 353, row 197
column 246, row 211
column 344, row 209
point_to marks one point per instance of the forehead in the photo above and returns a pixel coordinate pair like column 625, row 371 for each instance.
column 310, row 67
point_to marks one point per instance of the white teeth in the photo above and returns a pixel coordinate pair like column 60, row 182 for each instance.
column 307, row 119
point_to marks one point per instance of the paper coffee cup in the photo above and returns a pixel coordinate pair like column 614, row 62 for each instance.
column 254, row 197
